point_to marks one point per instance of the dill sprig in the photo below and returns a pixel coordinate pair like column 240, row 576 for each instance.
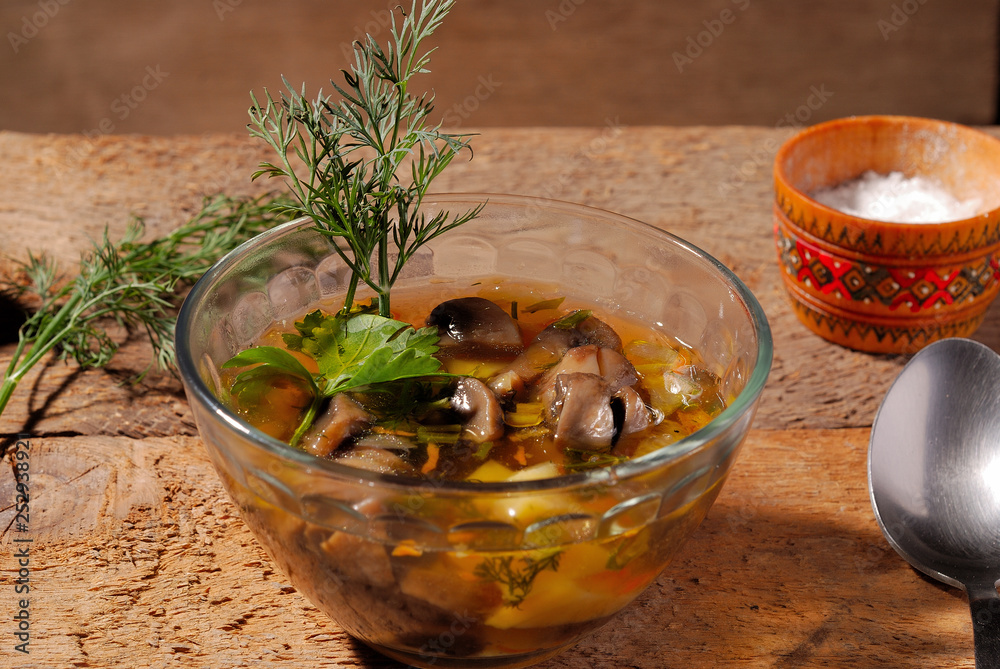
column 131, row 284
column 515, row 578
column 341, row 159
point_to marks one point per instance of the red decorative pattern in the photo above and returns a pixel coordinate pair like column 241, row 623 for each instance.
column 915, row 289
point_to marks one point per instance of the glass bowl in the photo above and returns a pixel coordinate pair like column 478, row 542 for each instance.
column 450, row 574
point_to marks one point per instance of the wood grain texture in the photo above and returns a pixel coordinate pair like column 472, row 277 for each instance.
column 711, row 186
column 139, row 560
column 188, row 66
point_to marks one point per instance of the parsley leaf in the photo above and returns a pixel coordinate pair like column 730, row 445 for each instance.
column 364, row 349
column 271, row 362
column 268, row 367
column 352, row 351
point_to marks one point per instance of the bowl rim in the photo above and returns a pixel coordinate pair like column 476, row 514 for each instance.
column 942, row 260
column 784, row 183
column 730, row 415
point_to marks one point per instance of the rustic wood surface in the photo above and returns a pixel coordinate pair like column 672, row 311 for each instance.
column 138, row 558
column 186, row 66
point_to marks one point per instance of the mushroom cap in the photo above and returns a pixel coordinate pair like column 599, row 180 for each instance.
column 475, row 402
column 475, row 327
column 342, row 418
column 583, row 408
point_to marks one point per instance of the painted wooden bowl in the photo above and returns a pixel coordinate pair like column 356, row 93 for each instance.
column 879, row 286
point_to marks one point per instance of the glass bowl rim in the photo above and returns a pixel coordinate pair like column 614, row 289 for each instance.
column 195, row 385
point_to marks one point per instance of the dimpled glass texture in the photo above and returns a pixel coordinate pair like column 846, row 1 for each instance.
column 338, row 533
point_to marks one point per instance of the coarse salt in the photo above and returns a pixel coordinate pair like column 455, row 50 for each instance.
column 895, row 198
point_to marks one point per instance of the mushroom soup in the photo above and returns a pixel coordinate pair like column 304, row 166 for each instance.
column 532, row 385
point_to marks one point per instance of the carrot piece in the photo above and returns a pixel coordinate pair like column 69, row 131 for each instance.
column 433, row 450
column 407, row 548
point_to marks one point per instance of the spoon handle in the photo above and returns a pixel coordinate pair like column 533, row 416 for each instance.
column 984, row 603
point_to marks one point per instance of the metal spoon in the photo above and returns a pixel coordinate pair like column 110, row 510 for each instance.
column 934, row 475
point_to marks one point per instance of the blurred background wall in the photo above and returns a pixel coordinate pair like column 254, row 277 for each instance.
column 187, row 66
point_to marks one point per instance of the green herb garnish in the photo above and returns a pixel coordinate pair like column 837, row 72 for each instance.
column 554, row 303
column 130, row 284
column 352, row 352
column 439, row 434
column 572, row 319
column 517, row 577
column 582, row 458
column 341, row 159
column 364, row 349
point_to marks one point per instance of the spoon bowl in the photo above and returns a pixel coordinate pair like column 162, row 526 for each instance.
column 934, row 475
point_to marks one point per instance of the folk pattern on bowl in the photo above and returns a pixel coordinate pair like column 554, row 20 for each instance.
column 887, row 239
column 879, row 336
column 915, row 289
column 878, row 286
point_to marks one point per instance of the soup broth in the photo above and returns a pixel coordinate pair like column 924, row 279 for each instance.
column 455, row 580
column 651, row 392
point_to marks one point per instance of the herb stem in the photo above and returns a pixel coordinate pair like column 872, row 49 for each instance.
column 41, row 344
column 350, row 153
column 307, row 419
column 128, row 283
column 384, row 278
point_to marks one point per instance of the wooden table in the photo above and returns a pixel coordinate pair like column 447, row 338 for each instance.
column 138, row 559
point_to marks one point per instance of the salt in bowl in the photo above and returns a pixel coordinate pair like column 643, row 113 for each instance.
column 878, row 286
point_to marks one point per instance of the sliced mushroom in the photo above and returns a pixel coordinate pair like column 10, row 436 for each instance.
column 376, row 460
column 609, row 365
column 596, row 331
column 476, row 327
column 548, row 348
column 506, row 384
column 616, row 369
column 579, row 359
column 475, row 402
column 544, row 351
column 583, row 413
column 343, row 418
column 635, row 417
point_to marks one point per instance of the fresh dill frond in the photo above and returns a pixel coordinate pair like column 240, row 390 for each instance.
column 130, row 283
column 516, row 575
column 342, row 159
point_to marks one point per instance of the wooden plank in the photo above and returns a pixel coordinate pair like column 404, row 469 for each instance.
column 187, row 66
column 710, row 186
column 138, row 559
